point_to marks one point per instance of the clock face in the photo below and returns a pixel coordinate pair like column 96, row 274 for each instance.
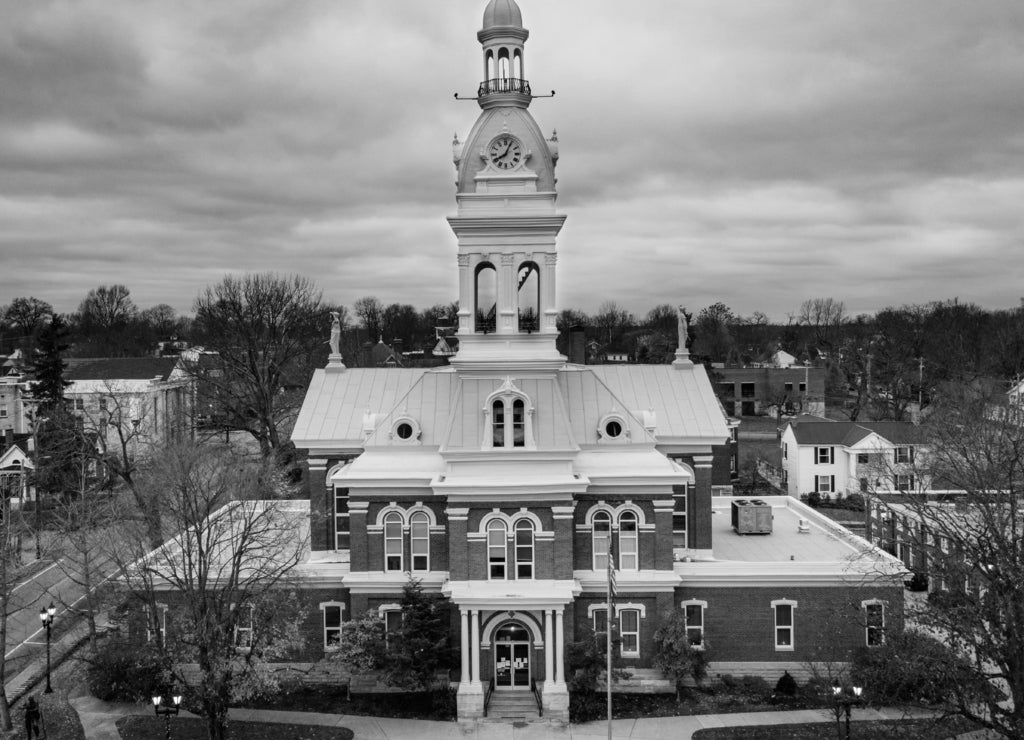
column 505, row 152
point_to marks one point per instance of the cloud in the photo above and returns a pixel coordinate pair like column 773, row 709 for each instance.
column 756, row 154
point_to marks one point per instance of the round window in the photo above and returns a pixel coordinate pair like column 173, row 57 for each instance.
column 613, row 429
column 404, row 430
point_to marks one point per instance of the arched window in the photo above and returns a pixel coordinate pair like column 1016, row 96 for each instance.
column 393, row 542
column 490, row 65
column 486, row 298
column 602, row 536
column 419, row 540
column 497, row 554
column 518, row 423
column 503, row 65
column 524, row 549
column 517, row 65
column 627, row 541
column 529, row 297
column 498, row 422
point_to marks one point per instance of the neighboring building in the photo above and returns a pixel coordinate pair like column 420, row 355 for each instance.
column 501, row 480
column 153, row 396
column 13, row 416
column 756, row 391
column 837, row 458
column 16, row 468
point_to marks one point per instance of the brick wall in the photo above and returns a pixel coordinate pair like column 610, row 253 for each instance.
column 739, row 623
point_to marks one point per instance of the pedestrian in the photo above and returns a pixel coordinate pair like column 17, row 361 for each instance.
column 33, row 718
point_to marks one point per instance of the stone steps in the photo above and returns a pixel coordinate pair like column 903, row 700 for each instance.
column 506, row 705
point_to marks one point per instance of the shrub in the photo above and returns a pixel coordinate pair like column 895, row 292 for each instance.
column 855, row 502
column 586, row 706
column 127, row 672
column 754, row 686
column 814, row 499
column 786, row 685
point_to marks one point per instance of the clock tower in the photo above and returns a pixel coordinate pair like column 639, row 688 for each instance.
column 506, row 223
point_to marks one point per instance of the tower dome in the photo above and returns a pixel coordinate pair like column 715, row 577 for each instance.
column 500, row 13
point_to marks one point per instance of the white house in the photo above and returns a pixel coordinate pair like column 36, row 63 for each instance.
column 843, row 457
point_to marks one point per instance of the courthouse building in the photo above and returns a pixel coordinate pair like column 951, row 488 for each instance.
column 499, row 479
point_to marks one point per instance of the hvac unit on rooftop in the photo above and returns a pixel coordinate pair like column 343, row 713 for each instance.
column 751, row 517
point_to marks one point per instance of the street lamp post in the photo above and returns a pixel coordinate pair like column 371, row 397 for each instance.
column 844, row 701
column 167, row 711
column 46, row 617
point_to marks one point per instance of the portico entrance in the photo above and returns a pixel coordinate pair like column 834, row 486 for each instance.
column 512, row 657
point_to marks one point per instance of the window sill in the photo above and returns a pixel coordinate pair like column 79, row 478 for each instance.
column 784, row 648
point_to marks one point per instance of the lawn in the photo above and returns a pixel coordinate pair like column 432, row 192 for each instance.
column 917, row 729
column 141, row 727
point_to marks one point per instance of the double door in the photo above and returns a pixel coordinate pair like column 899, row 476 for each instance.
column 512, row 665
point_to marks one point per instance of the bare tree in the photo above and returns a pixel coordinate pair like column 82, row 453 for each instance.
column 370, row 312
column 267, row 331
column 825, row 316
column 970, row 546
column 27, row 316
column 228, row 568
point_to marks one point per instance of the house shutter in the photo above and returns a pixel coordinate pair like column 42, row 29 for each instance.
column 816, row 484
column 832, row 483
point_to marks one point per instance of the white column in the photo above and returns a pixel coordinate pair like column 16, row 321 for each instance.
column 464, row 637
column 474, row 648
column 549, row 650
column 560, row 653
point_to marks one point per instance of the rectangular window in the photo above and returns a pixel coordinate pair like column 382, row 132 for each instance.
column 342, row 529
column 803, row 387
column 874, row 621
column 679, row 529
column 789, row 387
column 824, row 483
column 78, row 404
column 904, row 454
column 823, row 455
column 332, row 625
column 103, row 403
column 695, row 623
column 392, row 624
column 783, row 625
column 747, row 390
column 862, row 458
column 629, row 632
column 243, row 628
column 3, row 410
column 785, row 451
column 726, row 389
column 600, row 620
column 903, row 482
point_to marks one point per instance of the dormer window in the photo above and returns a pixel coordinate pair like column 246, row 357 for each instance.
column 508, row 416
column 612, row 428
column 405, row 431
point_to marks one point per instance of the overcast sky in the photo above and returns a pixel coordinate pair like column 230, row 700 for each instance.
column 755, row 153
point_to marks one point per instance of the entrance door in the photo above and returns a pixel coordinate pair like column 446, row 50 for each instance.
column 512, row 658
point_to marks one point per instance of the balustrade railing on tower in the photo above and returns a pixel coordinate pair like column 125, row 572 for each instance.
column 504, row 85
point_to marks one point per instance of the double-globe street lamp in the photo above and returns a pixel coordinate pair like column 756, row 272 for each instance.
column 46, row 617
column 845, row 700
column 167, row 711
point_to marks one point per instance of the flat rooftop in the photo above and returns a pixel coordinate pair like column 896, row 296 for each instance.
column 824, row 540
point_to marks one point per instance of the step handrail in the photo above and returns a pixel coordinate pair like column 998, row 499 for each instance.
column 536, row 696
column 487, row 694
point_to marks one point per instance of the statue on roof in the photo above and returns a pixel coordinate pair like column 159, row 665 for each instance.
column 684, row 328
column 335, row 333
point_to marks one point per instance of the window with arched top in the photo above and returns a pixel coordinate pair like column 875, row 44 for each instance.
column 518, row 423
column 602, row 532
column 490, row 64
column 524, row 549
column 497, row 554
column 419, row 540
column 393, row 542
column 486, row 298
column 517, row 65
column 498, row 422
column 529, row 297
column 628, row 541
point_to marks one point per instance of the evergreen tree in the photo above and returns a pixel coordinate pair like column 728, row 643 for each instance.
column 48, row 366
column 420, row 648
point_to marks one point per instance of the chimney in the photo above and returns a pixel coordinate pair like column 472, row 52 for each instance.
column 577, row 345
column 8, row 438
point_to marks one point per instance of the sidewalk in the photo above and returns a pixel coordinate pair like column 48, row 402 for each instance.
column 99, row 720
